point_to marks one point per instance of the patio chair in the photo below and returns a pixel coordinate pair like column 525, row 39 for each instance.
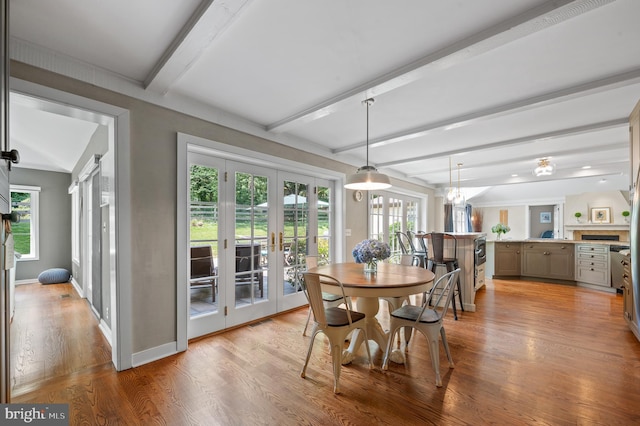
column 203, row 270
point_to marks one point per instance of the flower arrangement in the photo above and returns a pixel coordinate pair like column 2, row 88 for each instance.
column 371, row 251
column 500, row 229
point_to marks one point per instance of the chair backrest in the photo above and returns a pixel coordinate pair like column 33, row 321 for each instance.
column 313, row 291
column 247, row 257
column 441, row 295
column 422, row 241
column 439, row 250
column 202, row 264
column 409, row 260
column 311, row 261
column 412, row 237
column 406, row 245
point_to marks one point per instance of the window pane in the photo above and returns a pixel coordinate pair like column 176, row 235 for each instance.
column 21, row 204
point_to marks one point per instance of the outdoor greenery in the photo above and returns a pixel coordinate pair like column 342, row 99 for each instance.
column 250, row 191
column 21, row 203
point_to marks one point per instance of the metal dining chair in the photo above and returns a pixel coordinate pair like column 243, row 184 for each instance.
column 335, row 323
column 330, row 300
column 427, row 319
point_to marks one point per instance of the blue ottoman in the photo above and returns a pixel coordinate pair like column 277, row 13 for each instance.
column 54, row 276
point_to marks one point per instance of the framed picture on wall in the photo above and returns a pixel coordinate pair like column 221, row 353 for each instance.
column 545, row 217
column 600, row 215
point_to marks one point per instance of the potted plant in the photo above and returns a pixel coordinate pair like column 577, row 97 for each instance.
column 578, row 215
column 626, row 214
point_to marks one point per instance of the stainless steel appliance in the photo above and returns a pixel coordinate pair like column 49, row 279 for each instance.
column 479, row 261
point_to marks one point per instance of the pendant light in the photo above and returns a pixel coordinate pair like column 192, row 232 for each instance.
column 451, row 194
column 459, row 199
column 367, row 177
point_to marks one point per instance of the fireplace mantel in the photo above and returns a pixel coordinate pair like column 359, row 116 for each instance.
column 591, row 226
column 579, row 229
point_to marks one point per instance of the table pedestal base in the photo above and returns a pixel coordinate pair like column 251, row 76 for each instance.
column 370, row 306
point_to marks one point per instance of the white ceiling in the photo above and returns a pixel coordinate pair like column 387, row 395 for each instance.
column 493, row 85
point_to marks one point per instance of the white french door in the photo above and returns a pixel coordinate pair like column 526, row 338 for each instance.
column 260, row 224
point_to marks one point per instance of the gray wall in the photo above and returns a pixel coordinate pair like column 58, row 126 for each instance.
column 538, row 228
column 153, row 136
column 55, row 220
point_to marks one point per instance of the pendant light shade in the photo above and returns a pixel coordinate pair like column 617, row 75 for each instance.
column 368, row 177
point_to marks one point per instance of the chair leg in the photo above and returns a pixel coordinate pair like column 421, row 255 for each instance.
column 306, row 361
column 460, row 294
column 385, row 361
column 435, row 358
column 336, row 357
column 443, row 335
column 304, row 332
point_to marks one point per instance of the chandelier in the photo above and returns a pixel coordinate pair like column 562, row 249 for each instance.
column 367, row 177
column 545, row 168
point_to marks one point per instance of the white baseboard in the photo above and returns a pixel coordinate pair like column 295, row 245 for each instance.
column 154, row 354
column 75, row 285
column 106, row 331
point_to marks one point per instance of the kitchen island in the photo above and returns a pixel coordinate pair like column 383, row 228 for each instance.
column 466, row 260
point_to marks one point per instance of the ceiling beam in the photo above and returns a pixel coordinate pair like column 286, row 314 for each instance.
column 547, row 99
column 209, row 21
column 537, row 19
column 573, row 131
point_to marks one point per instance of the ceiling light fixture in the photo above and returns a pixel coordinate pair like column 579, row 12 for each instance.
column 545, row 168
column 459, row 199
column 367, row 177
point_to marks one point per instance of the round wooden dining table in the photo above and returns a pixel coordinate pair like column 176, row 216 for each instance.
column 390, row 281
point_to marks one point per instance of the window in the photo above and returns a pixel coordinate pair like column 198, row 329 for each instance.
column 24, row 201
column 390, row 213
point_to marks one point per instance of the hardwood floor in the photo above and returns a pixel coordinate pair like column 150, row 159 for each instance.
column 534, row 353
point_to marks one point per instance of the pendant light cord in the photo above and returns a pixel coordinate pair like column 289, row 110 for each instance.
column 368, row 102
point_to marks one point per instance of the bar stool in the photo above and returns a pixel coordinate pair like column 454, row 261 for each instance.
column 450, row 261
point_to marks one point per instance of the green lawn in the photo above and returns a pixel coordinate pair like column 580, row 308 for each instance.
column 22, row 236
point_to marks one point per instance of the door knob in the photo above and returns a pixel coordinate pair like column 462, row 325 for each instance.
column 13, row 156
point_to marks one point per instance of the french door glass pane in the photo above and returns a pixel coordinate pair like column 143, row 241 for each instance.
column 295, row 234
column 324, row 225
column 203, row 236
column 251, row 235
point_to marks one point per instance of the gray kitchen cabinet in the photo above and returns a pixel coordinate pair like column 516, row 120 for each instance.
column 508, row 259
column 555, row 261
column 592, row 264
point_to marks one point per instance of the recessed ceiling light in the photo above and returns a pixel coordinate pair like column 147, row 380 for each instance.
column 603, row 180
column 586, row 167
column 514, row 175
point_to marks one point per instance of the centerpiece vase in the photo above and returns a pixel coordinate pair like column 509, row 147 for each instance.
column 499, row 235
column 371, row 266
